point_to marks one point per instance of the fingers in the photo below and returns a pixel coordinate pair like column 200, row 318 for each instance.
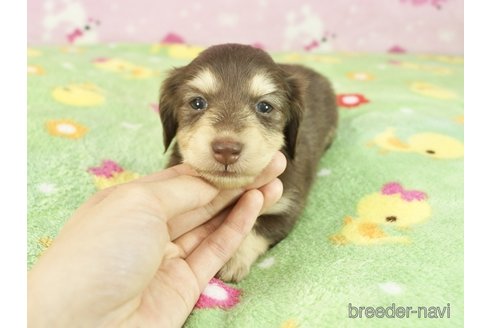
column 178, row 195
column 276, row 166
column 272, row 192
column 187, row 221
column 174, row 198
column 190, row 240
column 207, row 259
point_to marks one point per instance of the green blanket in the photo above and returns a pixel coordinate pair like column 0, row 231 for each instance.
column 384, row 223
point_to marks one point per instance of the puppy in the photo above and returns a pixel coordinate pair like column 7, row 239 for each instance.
column 230, row 110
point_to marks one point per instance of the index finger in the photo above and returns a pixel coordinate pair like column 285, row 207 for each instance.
column 185, row 193
column 213, row 252
column 181, row 194
column 189, row 220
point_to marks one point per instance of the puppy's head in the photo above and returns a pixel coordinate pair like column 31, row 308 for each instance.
column 230, row 110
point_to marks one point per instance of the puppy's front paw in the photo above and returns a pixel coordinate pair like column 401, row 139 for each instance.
column 238, row 266
column 234, row 270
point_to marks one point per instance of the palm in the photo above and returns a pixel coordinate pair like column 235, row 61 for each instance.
column 140, row 253
column 170, row 294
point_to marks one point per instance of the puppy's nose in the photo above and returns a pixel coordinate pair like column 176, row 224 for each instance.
column 226, row 151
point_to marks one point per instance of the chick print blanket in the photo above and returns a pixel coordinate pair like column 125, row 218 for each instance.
column 380, row 243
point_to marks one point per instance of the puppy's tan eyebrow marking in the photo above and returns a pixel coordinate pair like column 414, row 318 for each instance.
column 261, row 85
column 205, row 81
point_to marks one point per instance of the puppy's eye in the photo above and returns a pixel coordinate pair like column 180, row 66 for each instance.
column 198, row 103
column 263, row 107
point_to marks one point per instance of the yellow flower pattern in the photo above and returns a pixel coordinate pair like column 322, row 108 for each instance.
column 66, row 128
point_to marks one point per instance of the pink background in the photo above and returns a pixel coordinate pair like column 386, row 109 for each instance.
column 423, row 26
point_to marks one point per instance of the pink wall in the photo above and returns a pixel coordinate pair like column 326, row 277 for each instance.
column 424, row 26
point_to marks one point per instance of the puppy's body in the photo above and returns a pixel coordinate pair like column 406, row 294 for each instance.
column 316, row 132
column 303, row 127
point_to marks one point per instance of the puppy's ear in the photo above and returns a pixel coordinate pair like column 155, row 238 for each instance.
column 295, row 87
column 168, row 103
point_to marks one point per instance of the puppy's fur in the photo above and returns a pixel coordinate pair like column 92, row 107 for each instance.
column 233, row 79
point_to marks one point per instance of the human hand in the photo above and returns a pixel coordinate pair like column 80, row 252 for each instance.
column 139, row 254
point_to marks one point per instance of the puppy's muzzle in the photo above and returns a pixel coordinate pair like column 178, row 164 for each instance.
column 226, row 151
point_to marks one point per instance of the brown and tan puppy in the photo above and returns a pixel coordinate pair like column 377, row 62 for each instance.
column 230, row 110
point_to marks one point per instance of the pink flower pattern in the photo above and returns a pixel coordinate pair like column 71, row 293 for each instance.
column 107, row 169
column 218, row 295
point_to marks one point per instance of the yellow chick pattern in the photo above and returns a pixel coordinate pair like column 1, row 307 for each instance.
column 183, row 51
column 429, row 144
column 392, row 208
column 124, row 68
column 431, row 90
column 438, row 70
column 177, row 50
column 79, row 95
column 295, row 58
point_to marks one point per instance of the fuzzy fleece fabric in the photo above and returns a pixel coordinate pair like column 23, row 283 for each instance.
column 383, row 228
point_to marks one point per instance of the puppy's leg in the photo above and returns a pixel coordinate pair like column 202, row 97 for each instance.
column 268, row 230
column 250, row 249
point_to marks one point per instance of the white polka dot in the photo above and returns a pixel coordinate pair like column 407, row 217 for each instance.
column 216, row 292
column 31, row 69
column 291, row 16
column 381, row 66
column 66, row 128
column 46, row 188
column 350, row 100
column 130, row 126
column 446, row 35
column 306, row 10
column 406, row 110
column 67, row 65
column 391, row 287
column 130, row 29
column 266, row 263
column 324, row 172
column 155, row 59
column 48, row 5
column 228, row 19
